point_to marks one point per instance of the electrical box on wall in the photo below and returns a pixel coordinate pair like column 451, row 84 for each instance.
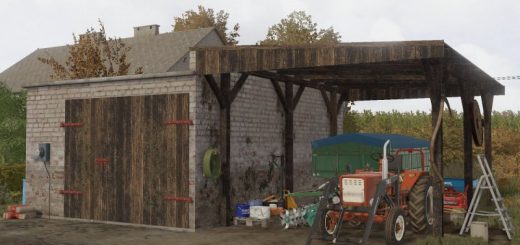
column 44, row 152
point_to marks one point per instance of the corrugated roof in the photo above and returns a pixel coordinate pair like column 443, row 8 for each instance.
column 396, row 141
column 155, row 53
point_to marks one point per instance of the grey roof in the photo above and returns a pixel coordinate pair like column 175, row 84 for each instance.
column 155, row 53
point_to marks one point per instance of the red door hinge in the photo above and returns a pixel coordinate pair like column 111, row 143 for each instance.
column 100, row 160
column 64, row 124
column 70, row 192
column 179, row 122
column 178, row 199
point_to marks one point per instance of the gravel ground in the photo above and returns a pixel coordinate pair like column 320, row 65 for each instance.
column 63, row 232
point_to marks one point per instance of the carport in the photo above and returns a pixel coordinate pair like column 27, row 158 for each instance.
column 353, row 72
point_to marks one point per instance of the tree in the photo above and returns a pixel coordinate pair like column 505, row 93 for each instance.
column 298, row 28
column 92, row 55
column 12, row 126
column 208, row 18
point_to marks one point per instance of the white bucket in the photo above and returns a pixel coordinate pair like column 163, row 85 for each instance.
column 260, row 212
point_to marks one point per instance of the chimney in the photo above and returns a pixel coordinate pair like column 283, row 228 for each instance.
column 144, row 31
column 93, row 35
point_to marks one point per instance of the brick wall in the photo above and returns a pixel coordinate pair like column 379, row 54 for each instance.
column 46, row 109
column 257, row 126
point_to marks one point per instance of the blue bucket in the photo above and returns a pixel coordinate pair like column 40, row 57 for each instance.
column 242, row 210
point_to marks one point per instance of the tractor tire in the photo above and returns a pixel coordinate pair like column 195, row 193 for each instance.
column 395, row 226
column 328, row 224
column 421, row 205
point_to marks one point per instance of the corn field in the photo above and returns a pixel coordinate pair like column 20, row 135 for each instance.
column 505, row 136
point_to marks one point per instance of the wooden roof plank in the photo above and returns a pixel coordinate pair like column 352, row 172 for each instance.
column 386, row 63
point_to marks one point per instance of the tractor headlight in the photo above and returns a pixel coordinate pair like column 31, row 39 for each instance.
column 335, row 200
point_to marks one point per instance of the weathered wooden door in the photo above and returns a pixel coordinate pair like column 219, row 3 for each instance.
column 124, row 159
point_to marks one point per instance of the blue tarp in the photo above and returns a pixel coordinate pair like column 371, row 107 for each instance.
column 396, row 141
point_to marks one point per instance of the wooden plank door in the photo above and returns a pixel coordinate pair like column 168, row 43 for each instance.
column 125, row 159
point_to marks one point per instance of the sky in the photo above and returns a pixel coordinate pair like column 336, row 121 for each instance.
column 486, row 32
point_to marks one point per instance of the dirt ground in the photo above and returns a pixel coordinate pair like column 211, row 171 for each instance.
column 61, row 232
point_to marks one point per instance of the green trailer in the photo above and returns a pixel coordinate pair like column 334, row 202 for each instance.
column 334, row 156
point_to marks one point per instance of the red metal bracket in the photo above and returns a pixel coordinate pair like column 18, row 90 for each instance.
column 179, row 122
column 102, row 160
column 179, row 199
column 70, row 192
column 64, row 124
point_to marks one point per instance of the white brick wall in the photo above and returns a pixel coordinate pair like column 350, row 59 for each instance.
column 46, row 109
column 257, row 126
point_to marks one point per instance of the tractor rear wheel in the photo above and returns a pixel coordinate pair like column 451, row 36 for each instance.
column 421, row 205
column 395, row 226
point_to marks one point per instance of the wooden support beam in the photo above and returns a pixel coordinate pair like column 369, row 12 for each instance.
column 289, row 102
column 342, row 76
column 238, row 85
column 289, row 137
column 366, row 69
column 280, row 95
column 333, row 105
column 216, row 90
column 225, row 96
column 343, row 98
column 285, row 78
column 435, row 74
column 333, row 114
column 225, row 143
column 467, row 107
column 487, row 103
column 299, row 93
column 325, row 99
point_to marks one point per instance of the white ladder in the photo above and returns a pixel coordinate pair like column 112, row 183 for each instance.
column 487, row 181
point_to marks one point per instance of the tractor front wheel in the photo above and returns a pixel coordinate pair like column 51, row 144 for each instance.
column 395, row 226
column 421, row 205
column 329, row 223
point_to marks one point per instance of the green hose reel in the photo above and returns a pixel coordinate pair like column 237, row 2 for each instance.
column 211, row 164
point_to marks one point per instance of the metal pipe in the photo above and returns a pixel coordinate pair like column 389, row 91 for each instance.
column 385, row 161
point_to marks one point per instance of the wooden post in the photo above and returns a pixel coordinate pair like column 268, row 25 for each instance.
column 289, row 102
column 333, row 115
column 436, row 75
column 289, row 137
column 467, row 106
column 487, row 103
column 225, row 142
column 333, row 105
column 225, row 96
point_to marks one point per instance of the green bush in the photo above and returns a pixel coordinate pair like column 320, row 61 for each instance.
column 11, row 184
column 12, row 125
column 11, row 177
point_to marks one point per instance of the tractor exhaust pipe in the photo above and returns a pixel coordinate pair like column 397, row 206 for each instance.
column 385, row 161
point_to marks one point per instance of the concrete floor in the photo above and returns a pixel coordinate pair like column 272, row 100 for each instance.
column 61, row 232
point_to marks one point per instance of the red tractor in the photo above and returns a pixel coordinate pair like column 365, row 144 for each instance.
column 392, row 196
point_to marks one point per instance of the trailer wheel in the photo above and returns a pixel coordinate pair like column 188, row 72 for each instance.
column 395, row 226
column 421, row 205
